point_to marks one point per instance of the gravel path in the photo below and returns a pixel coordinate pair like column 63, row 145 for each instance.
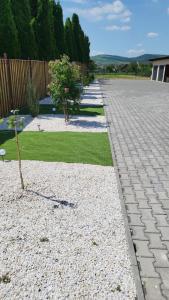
column 55, row 123
column 64, row 237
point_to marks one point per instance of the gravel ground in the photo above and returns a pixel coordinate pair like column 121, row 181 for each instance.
column 64, row 237
column 55, row 123
column 87, row 99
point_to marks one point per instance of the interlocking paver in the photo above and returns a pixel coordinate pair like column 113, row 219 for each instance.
column 161, row 258
column 165, row 233
column 161, row 220
column 153, row 289
column 164, row 273
column 142, row 248
column 147, row 267
column 157, row 209
column 138, row 115
column 135, row 220
column 155, row 241
column 138, row 233
column 132, row 208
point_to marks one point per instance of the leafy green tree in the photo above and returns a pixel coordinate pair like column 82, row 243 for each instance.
column 8, row 33
column 63, row 87
column 59, row 28
column 43, row 26
column 22, row 16
column 69, row 39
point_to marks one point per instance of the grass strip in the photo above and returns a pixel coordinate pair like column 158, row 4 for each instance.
column 69, row 147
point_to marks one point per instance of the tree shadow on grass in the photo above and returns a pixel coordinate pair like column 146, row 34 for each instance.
column 53, row 199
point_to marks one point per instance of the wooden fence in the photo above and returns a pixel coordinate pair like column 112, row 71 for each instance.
column 14, row 77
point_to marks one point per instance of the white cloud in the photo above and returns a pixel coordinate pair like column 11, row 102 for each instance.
column 117, row 28
column 168, row 10
column 111, row 11
column 152, row 35
column 124, row 17
column 136, row 52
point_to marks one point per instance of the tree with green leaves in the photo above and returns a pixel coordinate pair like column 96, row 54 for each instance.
column 9, row 42
column 64, row 89
column 69, row 39
column 44, row 30
column 22, row 17
column 59, row 28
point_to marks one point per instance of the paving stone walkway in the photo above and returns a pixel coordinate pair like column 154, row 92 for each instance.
column 138, row 117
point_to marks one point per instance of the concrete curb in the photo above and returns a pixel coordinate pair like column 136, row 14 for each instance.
column 137, row 279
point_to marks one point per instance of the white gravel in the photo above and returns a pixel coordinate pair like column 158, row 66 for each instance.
column 55, row 123
column 77, row 208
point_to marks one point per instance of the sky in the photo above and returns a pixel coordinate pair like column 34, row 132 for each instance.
column 123, row 27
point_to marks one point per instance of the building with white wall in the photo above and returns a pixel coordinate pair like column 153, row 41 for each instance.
column 160, row 69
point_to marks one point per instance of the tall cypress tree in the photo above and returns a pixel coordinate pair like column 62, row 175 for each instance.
column 69, row 39
column 34, row 7
column 44, row 33
column 59, row 28
column 22, row 17
column 8, row 33
column 77, row 37
column 86, row 49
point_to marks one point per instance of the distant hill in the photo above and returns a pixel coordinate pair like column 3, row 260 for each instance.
column 105, row 59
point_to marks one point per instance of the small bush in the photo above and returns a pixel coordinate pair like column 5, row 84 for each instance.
column 64, row 88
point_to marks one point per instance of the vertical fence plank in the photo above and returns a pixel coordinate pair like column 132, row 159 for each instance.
column 14, row 77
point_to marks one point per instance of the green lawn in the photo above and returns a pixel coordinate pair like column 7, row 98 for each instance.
column 119, row 76
column 70, row 147
column 84, row 110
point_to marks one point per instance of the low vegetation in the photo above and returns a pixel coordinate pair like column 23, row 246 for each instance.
column 15, row 122
column 70, row 147
column 96, row 110
column 119, row 76
column 64, row 90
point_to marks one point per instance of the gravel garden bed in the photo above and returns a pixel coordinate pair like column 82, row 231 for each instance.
column 64, row 237
column 55, row 123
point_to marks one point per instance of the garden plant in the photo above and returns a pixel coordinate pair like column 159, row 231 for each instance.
column 15, row 122
column 64, row 89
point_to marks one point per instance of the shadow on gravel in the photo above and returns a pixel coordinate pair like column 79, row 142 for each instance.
column 88, row 124
column 52, row 198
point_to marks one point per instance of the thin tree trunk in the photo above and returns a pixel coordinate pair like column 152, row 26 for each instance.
column 19, row 158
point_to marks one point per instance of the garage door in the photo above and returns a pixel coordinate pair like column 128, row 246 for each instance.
column 160, row 74
column 154, row 72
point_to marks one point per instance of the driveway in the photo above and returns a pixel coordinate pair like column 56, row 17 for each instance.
column 138, row 116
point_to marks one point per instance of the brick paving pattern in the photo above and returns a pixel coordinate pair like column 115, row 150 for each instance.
column 138, row 118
